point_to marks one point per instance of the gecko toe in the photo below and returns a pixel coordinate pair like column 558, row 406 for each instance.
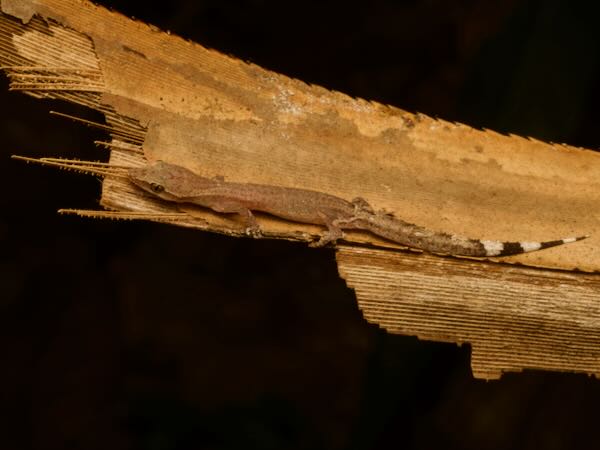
column 319, row 243
column 253, row 232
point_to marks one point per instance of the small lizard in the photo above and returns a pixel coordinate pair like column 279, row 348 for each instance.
column 178, row 184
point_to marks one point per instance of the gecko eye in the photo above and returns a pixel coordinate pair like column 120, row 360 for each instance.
column 157, row 188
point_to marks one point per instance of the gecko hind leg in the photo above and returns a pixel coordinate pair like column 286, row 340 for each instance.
column 361, row 205
column 333, row 233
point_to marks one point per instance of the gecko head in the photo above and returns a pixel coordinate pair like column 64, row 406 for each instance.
column 167, row 181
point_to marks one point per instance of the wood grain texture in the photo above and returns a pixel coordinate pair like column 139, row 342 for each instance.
column 218, row 115
column 513, row 317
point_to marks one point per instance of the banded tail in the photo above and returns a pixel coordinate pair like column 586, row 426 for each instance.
column 497, row 248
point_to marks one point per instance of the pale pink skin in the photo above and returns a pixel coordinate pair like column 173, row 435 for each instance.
column 177, row 184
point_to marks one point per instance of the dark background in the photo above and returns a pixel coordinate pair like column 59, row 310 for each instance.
column 123, row 335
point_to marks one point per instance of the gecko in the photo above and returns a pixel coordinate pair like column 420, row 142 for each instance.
column 174, row 183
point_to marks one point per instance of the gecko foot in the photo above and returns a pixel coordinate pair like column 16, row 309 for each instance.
column 333, row 233
column 253, row 231
column 383, row 212
column 321, row 242
column 329, row 237
column 361, row 205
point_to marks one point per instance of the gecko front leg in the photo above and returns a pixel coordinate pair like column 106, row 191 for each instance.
column 251, row 226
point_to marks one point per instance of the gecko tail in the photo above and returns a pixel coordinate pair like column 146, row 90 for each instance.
column 497, row 248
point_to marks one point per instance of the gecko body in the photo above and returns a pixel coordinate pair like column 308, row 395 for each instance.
column 177, row 184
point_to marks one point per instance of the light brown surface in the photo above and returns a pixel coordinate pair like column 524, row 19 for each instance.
column 165, row 98
column 514, row 318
